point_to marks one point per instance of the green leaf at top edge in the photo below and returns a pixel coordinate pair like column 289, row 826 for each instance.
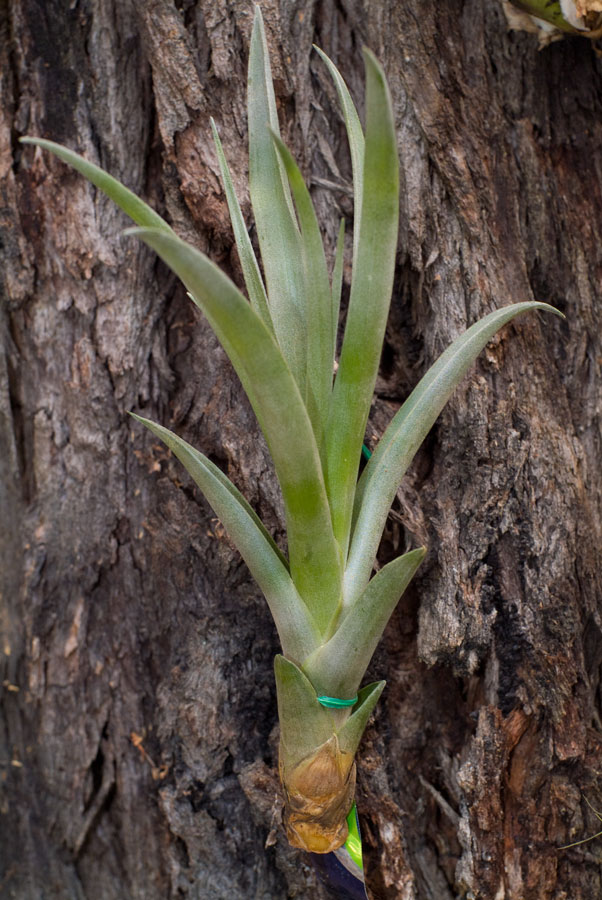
column 548, row 11
column 404, row 435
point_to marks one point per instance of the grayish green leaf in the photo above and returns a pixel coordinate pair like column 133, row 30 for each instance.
column 132, row 205
column 279, row 237
column 397, row 447
column 246, row 254
column 268, row 566
column 304, row 723
column 318, row 298
column 315, row 559
column 351, row 732
column 369, row 302
column 338, row 666
column 355, row 137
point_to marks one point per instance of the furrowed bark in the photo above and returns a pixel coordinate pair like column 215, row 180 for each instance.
column 138, row 756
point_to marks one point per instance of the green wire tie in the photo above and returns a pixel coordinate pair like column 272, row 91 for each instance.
column 365, row 452
column 335, row 703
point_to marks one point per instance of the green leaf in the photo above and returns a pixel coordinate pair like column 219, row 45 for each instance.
column 304, row 723
column 277, row 230
column 548, row 10
column 132, row 205
column 355, row 136
column 351, row 733
column 246, row 254
column 320, row 357
column 315, row 559
column 404, row 435
column 338, row 666
column 296, row 629
column 337, row 284
column 368, row 304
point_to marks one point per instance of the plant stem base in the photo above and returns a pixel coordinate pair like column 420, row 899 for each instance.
column 318, row 794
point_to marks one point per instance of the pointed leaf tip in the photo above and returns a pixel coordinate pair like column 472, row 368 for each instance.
column 304, row 724
column 125, row 199
column 340, row 663
column 406, row 431
column 351, row 733
column 371, row 60
column 266, row 562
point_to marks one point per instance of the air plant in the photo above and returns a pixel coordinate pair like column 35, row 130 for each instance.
column 554, row 19
column 329, row 610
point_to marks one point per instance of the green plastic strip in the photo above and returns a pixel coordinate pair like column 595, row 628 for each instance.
column 353, row 844
column 335, row 703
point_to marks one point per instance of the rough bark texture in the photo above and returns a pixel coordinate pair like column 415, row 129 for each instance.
column 138, row 714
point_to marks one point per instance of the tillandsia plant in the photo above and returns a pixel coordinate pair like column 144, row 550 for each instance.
column 329, row 610
column 557, row 18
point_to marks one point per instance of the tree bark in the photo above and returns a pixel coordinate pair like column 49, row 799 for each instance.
column 138, row 715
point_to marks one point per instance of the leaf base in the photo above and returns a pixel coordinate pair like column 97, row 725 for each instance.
column 319, row 793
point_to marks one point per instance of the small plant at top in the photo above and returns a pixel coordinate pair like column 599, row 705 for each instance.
column 329, row 610
column 555, row 19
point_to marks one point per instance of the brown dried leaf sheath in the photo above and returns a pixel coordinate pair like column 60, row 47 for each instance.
column 318, row 794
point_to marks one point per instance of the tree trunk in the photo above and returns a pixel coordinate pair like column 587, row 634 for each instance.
column 138, row 715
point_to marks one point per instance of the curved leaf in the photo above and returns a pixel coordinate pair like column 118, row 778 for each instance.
column 355, row 136
column 338, row 666
column 304, row 724
column 404, row 435
column 132, row 205
column 266, row 563
column 351, row 733
column 315, row 558
column 548, row 11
